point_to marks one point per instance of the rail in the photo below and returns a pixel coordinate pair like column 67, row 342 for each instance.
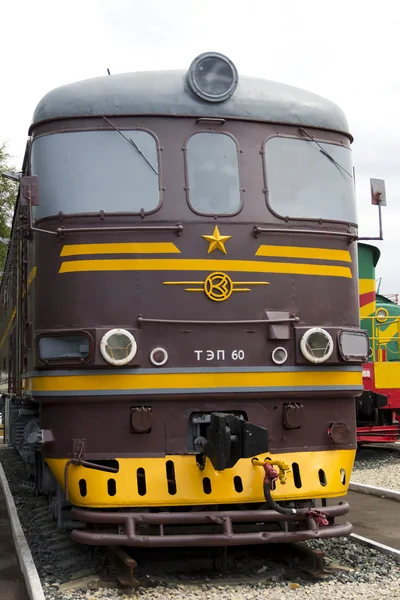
column 26, row 562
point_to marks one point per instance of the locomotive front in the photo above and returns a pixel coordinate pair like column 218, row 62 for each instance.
column 196, row 347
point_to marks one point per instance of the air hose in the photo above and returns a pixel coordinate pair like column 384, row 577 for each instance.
column 269, row 485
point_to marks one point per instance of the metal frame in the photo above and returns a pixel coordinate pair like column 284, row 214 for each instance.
column 317, row 138
column 111, row 127
column 128, row 522
column 65, row 361
column 352, row 357
column 186, row 173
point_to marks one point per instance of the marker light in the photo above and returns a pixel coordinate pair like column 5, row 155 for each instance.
column 316, row 345
column 213, row 77
column 279, row 355
column 118, row 347
column 159, row 356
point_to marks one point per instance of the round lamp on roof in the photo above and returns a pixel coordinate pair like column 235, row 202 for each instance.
column 213, row 77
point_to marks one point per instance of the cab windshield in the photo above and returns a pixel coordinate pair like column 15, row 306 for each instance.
column 96, row 170
column 213, row 174
column 309, row 180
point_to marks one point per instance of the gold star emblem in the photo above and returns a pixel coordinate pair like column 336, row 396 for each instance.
column 216, row 240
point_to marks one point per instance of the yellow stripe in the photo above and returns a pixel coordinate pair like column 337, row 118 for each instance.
column 367, row 310
column 202, row 283
column 31, row 276
column 128, row 248
column 366, row 285
column 300, row 252
column 192, row 380
column 184, row 283
column 14, row 312
column 187, row 264
column 386, row 333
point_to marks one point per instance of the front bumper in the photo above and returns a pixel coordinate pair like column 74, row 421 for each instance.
column 220, row 526
column 189, row 488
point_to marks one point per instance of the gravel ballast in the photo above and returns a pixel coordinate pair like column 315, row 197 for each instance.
column 329, row 590
column 378, row 467
column 365, row 573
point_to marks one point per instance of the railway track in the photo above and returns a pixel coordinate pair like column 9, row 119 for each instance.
column 69, row 571
column 377, row 467
column 19, row 579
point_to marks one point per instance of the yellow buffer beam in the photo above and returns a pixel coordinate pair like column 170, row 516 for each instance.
column 189, row 480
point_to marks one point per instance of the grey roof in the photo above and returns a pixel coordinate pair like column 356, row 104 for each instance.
column 167, row 93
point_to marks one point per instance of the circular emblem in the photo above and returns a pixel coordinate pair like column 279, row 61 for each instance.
column 218, row 286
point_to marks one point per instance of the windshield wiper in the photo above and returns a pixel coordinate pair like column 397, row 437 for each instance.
column 132, row 143
column 325, row 152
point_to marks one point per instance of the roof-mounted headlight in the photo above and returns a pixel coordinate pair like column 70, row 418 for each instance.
column 316, row 345
column 213, row 77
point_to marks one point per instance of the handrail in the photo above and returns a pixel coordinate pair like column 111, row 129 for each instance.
column 257, row 230
column 140, row 319
column 379, row 341
column 178, row 228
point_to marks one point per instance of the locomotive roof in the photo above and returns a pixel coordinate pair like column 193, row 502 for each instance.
column 167, row 93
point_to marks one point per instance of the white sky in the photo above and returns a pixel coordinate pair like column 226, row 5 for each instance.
column 347, row 51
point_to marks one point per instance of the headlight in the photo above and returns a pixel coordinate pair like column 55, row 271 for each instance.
column 213, row 77
column 316, row 345
column 118, row 347
column 382, row 315
column 64, row 347
column 354, row 345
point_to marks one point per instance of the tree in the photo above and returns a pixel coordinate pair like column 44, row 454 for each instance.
column 8, row 196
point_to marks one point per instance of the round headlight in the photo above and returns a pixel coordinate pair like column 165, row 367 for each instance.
column 382, row 315
column 118, row 347
column 316, row 345
column 213, row 77
column 279, row 355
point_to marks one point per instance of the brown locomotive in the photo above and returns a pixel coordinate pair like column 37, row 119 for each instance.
column 180, row 337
